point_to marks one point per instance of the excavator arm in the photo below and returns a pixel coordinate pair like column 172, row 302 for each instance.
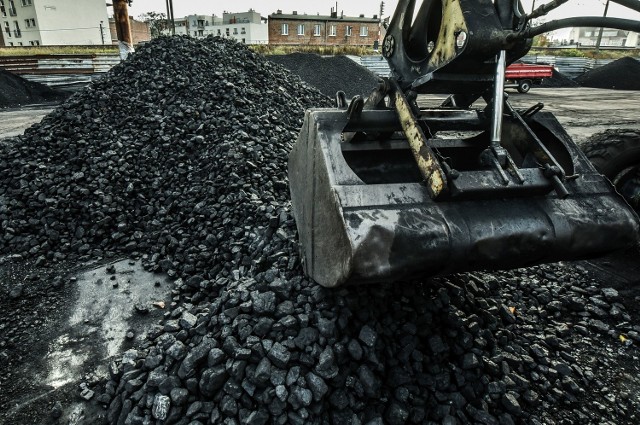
column 385, row 189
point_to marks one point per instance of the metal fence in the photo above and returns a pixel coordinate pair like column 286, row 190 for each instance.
column 571, row 67
column 60, row 71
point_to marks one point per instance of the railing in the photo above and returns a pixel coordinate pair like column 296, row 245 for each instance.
column 569, row 66
column 59, row 64
column 69, row 72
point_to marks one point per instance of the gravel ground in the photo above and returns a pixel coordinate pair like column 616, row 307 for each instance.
column 330, row 74
column 16, row 91
column 558, row 80
column 187, row 172
column 621, row 74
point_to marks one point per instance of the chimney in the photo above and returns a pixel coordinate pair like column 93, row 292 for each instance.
column 334, row 13
column 295, row 12
column 279, row 12
column 362, row 15
column 375, row 16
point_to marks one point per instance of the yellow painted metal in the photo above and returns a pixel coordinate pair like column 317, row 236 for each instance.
column 425, row 158
column 453, row 23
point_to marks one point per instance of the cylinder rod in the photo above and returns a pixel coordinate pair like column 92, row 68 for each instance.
column 498, row 100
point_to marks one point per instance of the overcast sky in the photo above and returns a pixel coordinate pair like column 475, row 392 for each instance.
column 182, row 8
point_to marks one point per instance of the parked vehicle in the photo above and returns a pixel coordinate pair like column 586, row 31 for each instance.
column 523, row 75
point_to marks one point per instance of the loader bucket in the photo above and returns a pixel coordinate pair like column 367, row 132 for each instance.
column 364, row 215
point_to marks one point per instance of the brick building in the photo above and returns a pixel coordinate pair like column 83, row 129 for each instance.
column 140, row 31
column 334, row 29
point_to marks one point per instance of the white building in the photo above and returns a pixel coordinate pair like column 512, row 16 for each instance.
column 58, row 22
column 247, row 27
column 610, row 37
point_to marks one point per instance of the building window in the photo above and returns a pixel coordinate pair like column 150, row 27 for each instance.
column 348, row 31
column 364, row 31
column 26, row 2
column 16, row 32
column 219, row 32
column 201, row 33
column 34, row 43
column 30, row 23
column 243, row 31
column 244, row 40
column 301, row 29
column 195, row 33
column 227, row 32
column 12, row 8
column 285, row 29
column 333, row 30
column 7, row 29
column 3, row 10
column 235, row 31
column 316, row 30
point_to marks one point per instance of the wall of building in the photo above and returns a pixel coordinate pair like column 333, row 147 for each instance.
column 320, row 30
column 140, row 32
column 22, row 23
column 242, row 17
column 71, row 22
column 610, row 37
column 246, row 27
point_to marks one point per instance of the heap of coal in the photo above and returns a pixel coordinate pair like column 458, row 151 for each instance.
column 558, row 80
column 16, row 91
column 621, row 74
column 179, row 156
column 157, row 155
column 330, row 74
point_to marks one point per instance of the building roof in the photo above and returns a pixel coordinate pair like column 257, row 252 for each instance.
column 322, row 18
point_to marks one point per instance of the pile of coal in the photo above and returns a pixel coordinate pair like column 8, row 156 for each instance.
column 558, row 80
column 179, row 156
column 16, row 91
column 179, row 153
column 479, row 348
column 621, row 74
column 329, row 74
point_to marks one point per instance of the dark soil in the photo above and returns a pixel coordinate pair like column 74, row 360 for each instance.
column 330, row 74
column 558, row 80
column 16, row 91
column 619, row 75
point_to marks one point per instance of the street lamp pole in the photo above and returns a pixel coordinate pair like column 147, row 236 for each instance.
column 606, row 9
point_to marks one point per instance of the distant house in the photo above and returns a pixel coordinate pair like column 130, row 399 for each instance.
column 140, row 31
column 59, row 22
column 610, row 37
column 332, row 30
column 246, row 27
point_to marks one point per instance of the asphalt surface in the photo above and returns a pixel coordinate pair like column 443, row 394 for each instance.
column 582, row 111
